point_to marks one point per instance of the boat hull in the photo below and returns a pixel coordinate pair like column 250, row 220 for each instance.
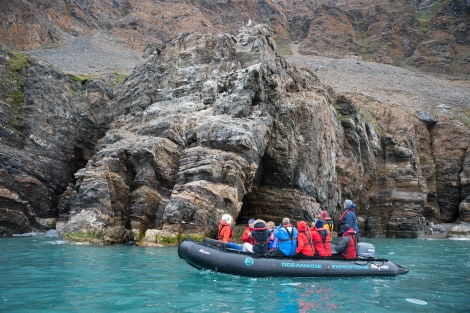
column 214, row 256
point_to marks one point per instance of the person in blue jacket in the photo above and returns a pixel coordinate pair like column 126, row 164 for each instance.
column 349, row 216
column 287, row 238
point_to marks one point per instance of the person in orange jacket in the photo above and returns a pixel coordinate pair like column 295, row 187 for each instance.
column 225, row 232
column 322, row 239
column 304, row 240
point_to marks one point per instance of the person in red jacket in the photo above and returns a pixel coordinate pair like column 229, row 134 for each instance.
column 304, row 240
column 347, row 246
column 225, row 232
column 322, row 239
column 247, row 238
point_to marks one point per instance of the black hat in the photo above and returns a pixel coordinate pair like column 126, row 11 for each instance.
column 259, row 223
column 319, row 224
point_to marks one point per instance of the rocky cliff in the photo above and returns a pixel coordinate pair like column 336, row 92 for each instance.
column 207, row 125
column 50, row 123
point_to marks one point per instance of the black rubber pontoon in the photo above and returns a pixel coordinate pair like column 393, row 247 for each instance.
column 214, row 255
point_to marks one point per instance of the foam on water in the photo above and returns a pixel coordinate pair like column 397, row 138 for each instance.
column 416, row 301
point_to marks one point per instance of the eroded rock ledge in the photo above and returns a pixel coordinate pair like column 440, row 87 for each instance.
column 210, row 125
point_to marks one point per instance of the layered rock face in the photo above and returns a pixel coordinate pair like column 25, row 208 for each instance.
column 50, row 123
column 415, row 171
column 208, row 125
column 426, row 34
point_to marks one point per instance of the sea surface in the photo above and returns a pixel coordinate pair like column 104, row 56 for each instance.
column 46, row 274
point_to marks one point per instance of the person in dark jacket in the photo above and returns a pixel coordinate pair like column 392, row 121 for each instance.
column 349, row 216
column 347, row 245
column 260, row 234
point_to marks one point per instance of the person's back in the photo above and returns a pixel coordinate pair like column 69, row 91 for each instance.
column 327, row 221
column 322, row 239
column 304, row 240
column 287, row 237
column 347, row 246
column 225, row 232
column 260, row 234
column 349, row 216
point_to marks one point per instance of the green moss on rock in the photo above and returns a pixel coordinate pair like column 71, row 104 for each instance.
column 166, row 240
column 198, row 237
column 84, row 236
column 18, row 61
column 119, row 79
column 12, row 90
column 176, row 239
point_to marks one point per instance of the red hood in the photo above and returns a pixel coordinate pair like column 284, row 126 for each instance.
column 301, row 225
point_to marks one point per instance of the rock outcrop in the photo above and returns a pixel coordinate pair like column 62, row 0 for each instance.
column 50, row 123
column 208, row 125
column 201, row 127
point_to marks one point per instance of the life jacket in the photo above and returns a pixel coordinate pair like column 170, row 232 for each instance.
column 305, row 243
column 329, row 224
column 260, row 236
column 341, row 218
column 352, row 221
column 222, row 231
column 351, row 249
column 322, row 240
column 289, row 233
column 287, row 244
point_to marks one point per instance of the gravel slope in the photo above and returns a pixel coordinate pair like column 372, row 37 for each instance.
column 390, row 84
column 100, row 54
column 88, row 55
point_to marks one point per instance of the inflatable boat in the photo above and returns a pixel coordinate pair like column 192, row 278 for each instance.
column 214, row 255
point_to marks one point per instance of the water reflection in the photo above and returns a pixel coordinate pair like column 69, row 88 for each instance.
column 308, row 296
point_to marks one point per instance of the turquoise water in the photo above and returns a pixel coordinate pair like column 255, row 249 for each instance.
column 43, row 274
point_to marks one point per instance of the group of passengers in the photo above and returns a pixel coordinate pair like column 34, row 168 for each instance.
column 287, row 240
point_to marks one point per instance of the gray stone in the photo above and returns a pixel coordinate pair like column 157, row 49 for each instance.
column 427, row 118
